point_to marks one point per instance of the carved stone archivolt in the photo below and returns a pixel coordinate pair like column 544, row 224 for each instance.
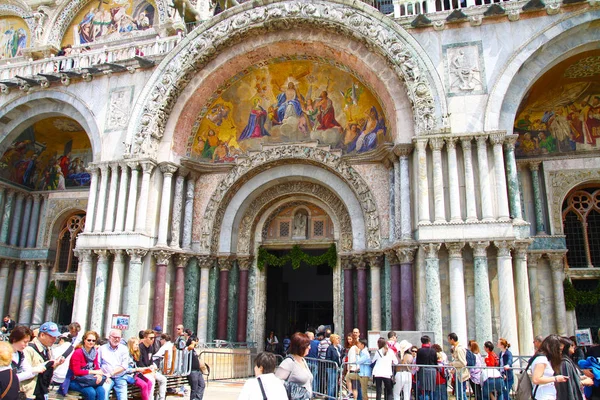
column 357, row 21
column 10, row 9
column 286, row 154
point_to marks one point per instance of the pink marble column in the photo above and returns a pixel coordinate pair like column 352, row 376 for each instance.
column 348, row 294
column 395, row 286
column 242, row 317
column 180, row 263
column 361, row 288
column 407, row 294
column 160, row 283
column 224, row 266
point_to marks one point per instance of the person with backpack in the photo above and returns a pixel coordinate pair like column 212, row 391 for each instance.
column 459, row 356
column 545, row 367
column 506, row 362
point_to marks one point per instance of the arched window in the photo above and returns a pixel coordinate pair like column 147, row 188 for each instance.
column 66, row 262
column 581, row 222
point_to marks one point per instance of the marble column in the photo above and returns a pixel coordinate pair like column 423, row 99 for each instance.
column 487, row 212
column 497, row 140
column 558, row 277
column 407, row 293
column 134, row 278
column 4, row 271
column 436, row 145
column 454, row 188
column 537, row 198
column 91, row 207
column 534, row 291
column 15, row 295
column 26, row 223
column 28, row 293
column 395, row 289
column 7, row 216
column 433, row 290
column 40, row 293
column 140, row 219
column 458, row 307
column 2, row 200
column 483, row 302
column 404, row 178
column 177, row 208
column 192, row 294
column 97, row 319
column 348, row 268
column 224, row 267
column 395, row 229
column 188, row 217
column 35, row 219
column 165, row 204
column 160, row 287
column 181, row 261
column 83, row 286
column 361, row 295
column 16, row 221
column 133, row 196
column 422, row 182
column 244, row 264
column 122, row 200
column 116, row 286
column 471, row 207
column 506, row 290
column 205, row 263
column 514, row 193
column 101, row 209
column 375, row 263
column 523, row 300
column 111, row 211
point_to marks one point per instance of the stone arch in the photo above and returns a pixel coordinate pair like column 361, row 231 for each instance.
column 567, row 37
column 18, row 11
column 358, row 21
column 27, row 109
column 58, row 212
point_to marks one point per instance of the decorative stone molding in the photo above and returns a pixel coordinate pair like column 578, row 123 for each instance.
column 465, row 142
column 162, row 256
column 205, row 261
column 136, row 255
column 521, row 249
column 509, row 142
column 244, row 263
column 436, row 144
column 556, row 261
column 102, row 255
column 375, row 260
column 84, row 255
column 347, row 262
column 168, row 169
column 359, row 262
column 27, row 16
column 55, row 209
column 534, row 165
column 390, row 254
column 455, row 249
column 497, row 138
column 225, row 263
column 357, row 21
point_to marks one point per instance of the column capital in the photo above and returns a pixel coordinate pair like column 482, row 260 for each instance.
column 205, row 262
column 455, row 249
column 465, row 142
column 103, row 168
column 102, row 255
column 391, row 256
column 30, row 264
column 44, row 265
column 134, row 165
column 479, row 248
column 136, row 255
column 510, row 141
column 83, row 254
column 406, row 254
column 533, row 259
column 20, row 195
column 436, row 143
column 347, row 262
column 147, row 166
column 556, row 261
column 358, row 260
column 431, row 249
column 375, row 260
column 92, row 169
column 481, row 141
column 118, row 253
column 497, row 138
column 183, row 172
column 225, row 263
column 503, row 247
column 534, row 165
column 19, row 265
column 451, row 142
column 403, row 150
column 181, row 260
column 162, row 256
column 114, row 167
column 421, row 144
column 5, row 263
column 244, row 263
column 521, row 248
column 168, row 169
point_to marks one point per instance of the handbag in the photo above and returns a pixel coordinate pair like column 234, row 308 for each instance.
column 11, row 381
column 525, row 389
column 294, row 390
column 88, row 380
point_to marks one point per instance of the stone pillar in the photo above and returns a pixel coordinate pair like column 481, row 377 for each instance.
column 396, row 232
column 407, row 294
column 433, row 290
column 458, row 307
column 454, row 189
column 28, row 294
column 375, row 261
column 2, row 202
column 109, row 224
column 35, row 219
column 17, row 287
column 4, row 271
column 140, row 219
column 523, row 300
column 224, row 267
column 132, row 200
column 39, row 306
column 181, row 261
column 116, row 286
column 436, row 145
column 83, row 286
column 404, row 178
column 537, row 198
column 16, row 222
column 7, row 216
column 177, row 208
column 122, row 200
column 558, row 276
column 26, row 223
column 484, row 179
column 101, row 209
column 422, row 182
column 514, row 193
column 483, row 302
column 497, row 140
column 204, row 262
column 362, row 295
column 189, row 211
column 100, row 287
column 532, row 270
column 165, row 204
column 160, row 287
column 134, row 278
column 348, row 268
column 469, row 179
column 244, row 264
column 506, row 290
column 91, row 207
column 395, row 289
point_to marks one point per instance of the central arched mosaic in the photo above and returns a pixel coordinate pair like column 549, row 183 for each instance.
column 288, row 100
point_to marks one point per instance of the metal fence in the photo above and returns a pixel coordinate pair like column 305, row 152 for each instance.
column 230, row 364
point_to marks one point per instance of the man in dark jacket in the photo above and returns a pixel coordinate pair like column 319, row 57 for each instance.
column 426, row 376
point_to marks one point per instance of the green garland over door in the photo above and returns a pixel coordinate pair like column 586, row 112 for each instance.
column 296, row 256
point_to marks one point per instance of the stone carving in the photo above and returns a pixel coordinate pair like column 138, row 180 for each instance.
column 252, row 19
column 300, row 220
column 55, row 208
column 465, row 74
column 503, row 247
column 136, row 255
column 162, row 256
column 118, row 108
column 250, row 166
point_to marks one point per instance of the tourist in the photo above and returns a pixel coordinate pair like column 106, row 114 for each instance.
column 87, row 377
column 145, row 361
column 9, row 382
column 577, row 351
column 356, row 334
column 384, row 359
column 312, row 359
column 403, row 371
column 475, row 371
column 365, row 372
column 165, row 352
column 64, row 348
column 391, row 343
column 294, row 368
column 537, row 342
column 138, row 374
column 506, row 361
column 195, row 378
column 266, row 385
column 76, row 333
column 7, row 324
column 426, row 355
column 544, row 368
column 334, row 357
column 324, row 343
column 181, row 340
column 272, row 342
column 441, row 378
column 491, row 378
column 19, row 339
column 113, row 359
column 571, row 389
column 352, row 375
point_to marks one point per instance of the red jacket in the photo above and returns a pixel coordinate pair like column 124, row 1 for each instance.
column 492, row 360
column 78, row 363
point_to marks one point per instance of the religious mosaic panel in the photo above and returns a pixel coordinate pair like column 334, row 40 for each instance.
column 109, row 20
column 52, row 154
column 14, row 37
column 561, row 111
column 288, row 100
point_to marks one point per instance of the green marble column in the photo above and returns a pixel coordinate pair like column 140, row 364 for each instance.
column 514, row 195
column 213, row 303
column 252, row 306
column 232, row 303
column 192, row 284
column 537, row 198
column 483, row 303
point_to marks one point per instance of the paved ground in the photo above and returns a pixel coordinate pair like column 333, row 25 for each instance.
column 216, row 391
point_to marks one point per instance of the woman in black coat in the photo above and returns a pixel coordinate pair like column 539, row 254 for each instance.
column 333, row 355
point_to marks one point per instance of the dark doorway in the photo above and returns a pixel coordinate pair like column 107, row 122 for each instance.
column 298, row 298
column 65, row 306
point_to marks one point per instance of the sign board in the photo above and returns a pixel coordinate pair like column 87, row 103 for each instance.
column 584, row 337
column 413, row 337
column 120, row 321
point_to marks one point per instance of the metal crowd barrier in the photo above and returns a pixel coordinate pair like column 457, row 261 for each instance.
column 177, row 362
column 230, row 364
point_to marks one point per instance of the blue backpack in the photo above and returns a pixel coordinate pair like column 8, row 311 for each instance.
column 471, row 360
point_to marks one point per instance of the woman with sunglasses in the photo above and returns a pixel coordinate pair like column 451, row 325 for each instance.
column 87, row 376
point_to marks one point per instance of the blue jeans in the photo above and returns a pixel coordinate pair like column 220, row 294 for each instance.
column 461, row 389
column 314, row 370
column 508, row 384
column 89, row 393
column 441, row 392
column 493, row 385
column 120, row 385
column 332, row 379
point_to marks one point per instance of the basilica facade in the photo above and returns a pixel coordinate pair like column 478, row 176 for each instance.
column 441, row 155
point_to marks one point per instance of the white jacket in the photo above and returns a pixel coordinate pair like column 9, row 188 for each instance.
column 383, row 363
